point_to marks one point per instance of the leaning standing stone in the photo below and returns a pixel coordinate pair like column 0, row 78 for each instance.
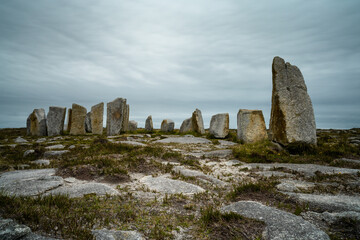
column 292, row 115
column 149, row 124
column 88, row 128
column 115, row 116
column 97, row 113
column 36, row 123
column 186, row 126
column 251, row 126
column 78, row 120
column 219, row 125
column 55, row 120
column 69, row 119
column 133, row 126
column 167, row 125
column 197, row 122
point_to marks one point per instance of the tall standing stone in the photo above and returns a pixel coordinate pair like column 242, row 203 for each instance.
column 149, row 124
column 115, row 116
column 88, row 127
column 69, row 115
column 167, row 125
column 292, row 115
column 78, row 120
column 197, row 122
column 186, row 126
column 55, row 120
column 97, row 113
column 219, row 125
column 36, row 123
column 251, row 126
column 125, row 124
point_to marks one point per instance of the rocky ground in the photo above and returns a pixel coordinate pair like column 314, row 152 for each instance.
column 155, row 186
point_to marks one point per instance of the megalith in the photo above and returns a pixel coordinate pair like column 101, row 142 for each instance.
column 292, row 115
column 97, row 113
column 125, row 124
column 55, row 120
column 36, row 123
column 219, row 125
column 149, row 124
column 197, row 122
column 167, row 125
column 186, row 126
column 251, row 126
column 78, row 120
column 115, row 116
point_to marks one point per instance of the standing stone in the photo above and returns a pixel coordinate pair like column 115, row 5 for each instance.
column 251, row 126
column 186, row 126
column 125, row 125
column 219, row 125
column 292, row 115
column 149, row 124
column 78, row 120
column 36, row 123
column 69, row 119
column 115, row 116
column 197, row 122
column 133, row 126
column 167, row 125
column 55, row 120
column 88, row 128
column 97, row 113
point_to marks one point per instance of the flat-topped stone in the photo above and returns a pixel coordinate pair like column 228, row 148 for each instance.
column 78, row 120
column 79, row 190
column 280, row 225
column 55, row 120
column 251, row 126
column 219, row 125
column 97, row 113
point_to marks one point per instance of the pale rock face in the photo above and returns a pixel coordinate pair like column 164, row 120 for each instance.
column 251, row 126
column 36, row 123
column 69, row 119
column 97, row 113
column 125, row 125
column 186, row 126
column 115, row 116
column 292, row 115
column 78, row 120
column 55, row 120
column 197, row 122
column 149, row 124
column 167, row 125
column 133, row 126
column 88, row 128
column 219, row 125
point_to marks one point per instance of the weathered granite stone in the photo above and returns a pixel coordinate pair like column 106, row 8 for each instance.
column 219, row 125
column 149, row 124
column 167, row 125
column 97, row 113
column 115, row 116
column 20, row 140
column 197, row 122
column 55, row 120
column 79, row 190
column 280, row 225
column 69, row 115
column 186, row 126
column 36, row 123
column 132, row 126
column 88, row 127
column 78, row 120
column 105, row 234
column 292, row 115
column 184, row 140
column 125, row 124
column 251, row 126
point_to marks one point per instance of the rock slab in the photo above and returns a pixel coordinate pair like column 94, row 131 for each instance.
column 55, row 120
column 167, row 125
column 149, row 124
column 36, row 123
column 280, row 225
column 251, row 126
column 115, row 116
column 97, row 113
column 219, row 125
column 292, row 115
column 78, row 120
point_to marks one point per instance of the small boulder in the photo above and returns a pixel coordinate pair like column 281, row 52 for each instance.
column 88, row 127
column 132, row 126
column 55, row 120
column 149, row 124
column 219, row 125
column 251, row 126
column 36, row 123
column 78, row 120
column 186, row 126
column 97, row 113
column 167, row 125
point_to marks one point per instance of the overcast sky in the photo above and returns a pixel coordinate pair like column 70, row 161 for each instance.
column 169, row 57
